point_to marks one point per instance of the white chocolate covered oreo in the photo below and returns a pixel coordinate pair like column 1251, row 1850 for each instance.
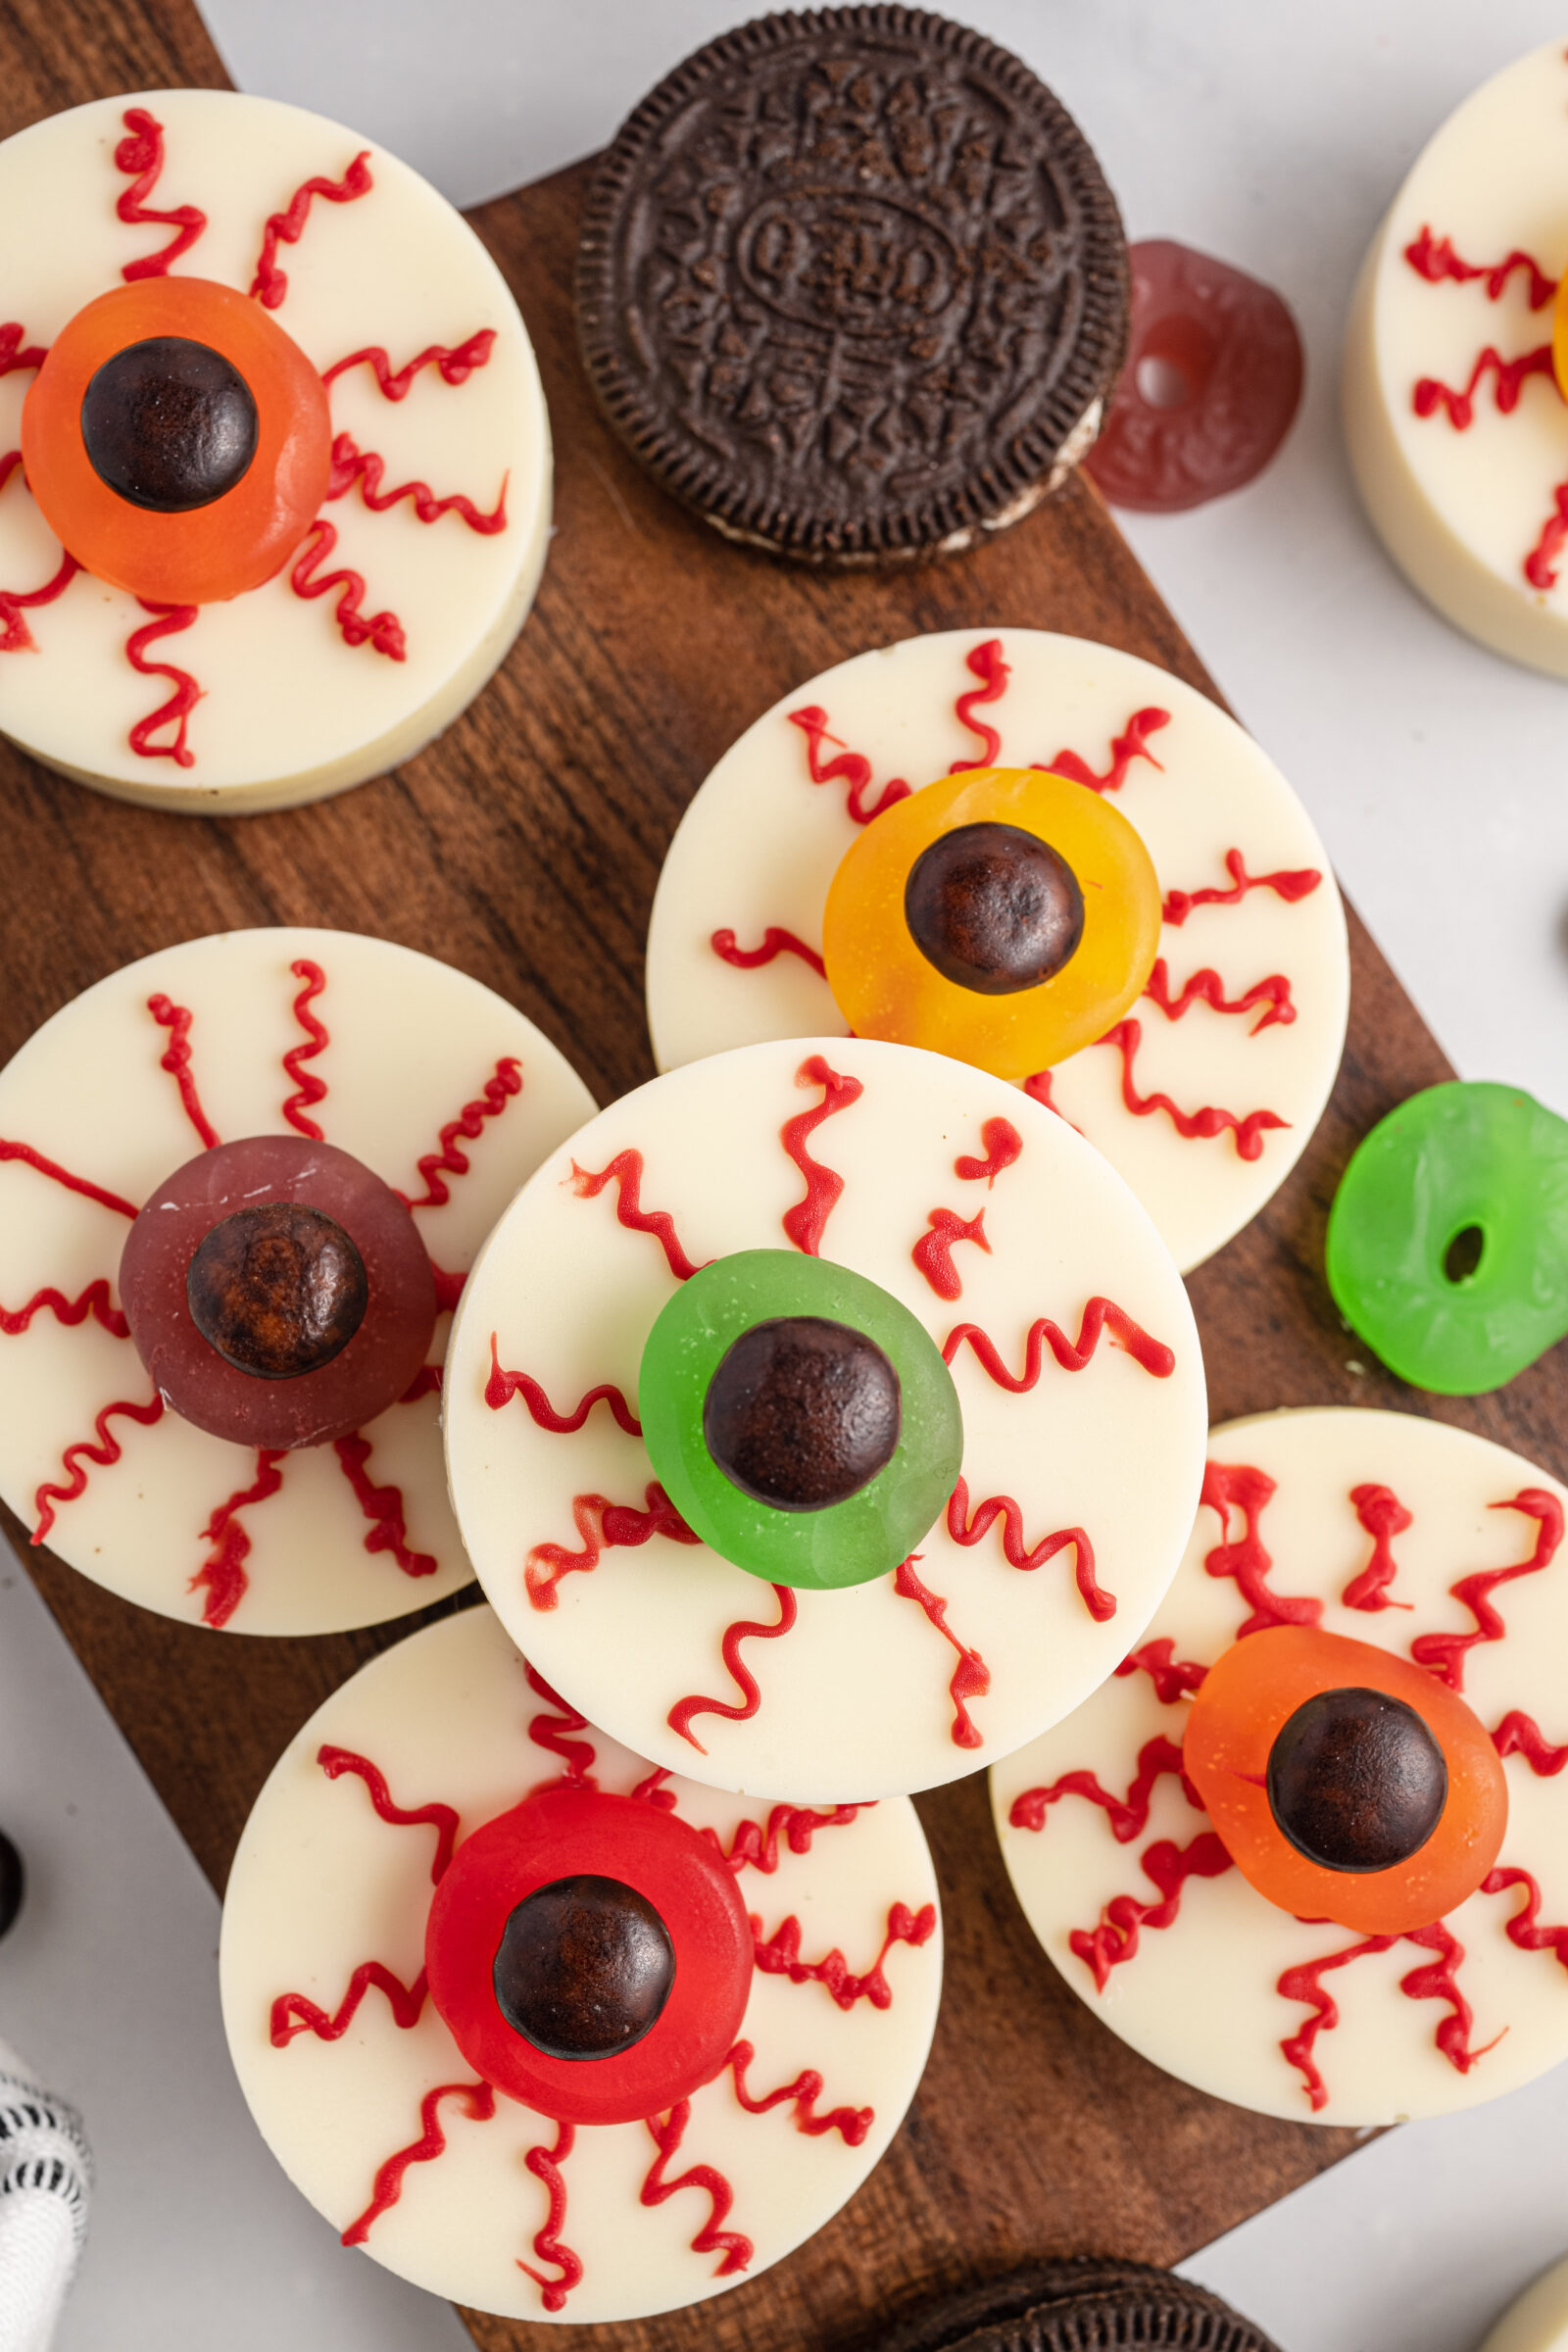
column 445, row 1092
column 1205, row 1095
column 415, row 573
column 1399, row 1533
column 1073, row 1354
column 1456, row 424
column 1539, row 2320
column 367, row 2101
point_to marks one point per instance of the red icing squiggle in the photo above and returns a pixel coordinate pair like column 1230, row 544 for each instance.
column 16, row 357
column 545, row 2165
column 1126, row 1817
column 625, row 1173
column 1100, row 1604
column 1434, row 258
column 382, row 1507
column 1131, row 744
column 1384, row 1516
column 141, row 152
column 985, row 663
column 780, row 1956
column 852, row 2124
column 806, row 1221
column 502, row 1386
column 443, row 1819
column 604, row 1526
column 167, row 620
column 1509, row 379
column 382, row 631
column 756, row 1847
column 1444, row 1654
column 1520, row 1735
column 454, row 363
column 448, row 1287
column 933, row 1252
column 1436, row 1980
column 296, row 2013
column 94, row 1300
column 351, row 464
column 669, row 2132
column 56, row 1174
column 1001, row 1145
column 552, row 1734
column 1205, row 987
column 1172, row 1677
column 685, row 1710
column 776, row 942
column 221, row 1575
column 270, row 283
column 1168, row 1866
column 651, row 1790
column 971, row 1677
column 1289, row 884
column 1523, row 1929
column 308, row 1087
column 1233, row 1486
column 15, row 635
column 177, row 1019
column 103, row 1453
column 1542, row 563
column 503, row 1087
column 1100, row 1316
column 479, row 2101
column 853, row 769
column 1203, row 1124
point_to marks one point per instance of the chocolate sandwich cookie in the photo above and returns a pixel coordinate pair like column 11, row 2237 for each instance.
column 1078, row 2305
column 853, row 285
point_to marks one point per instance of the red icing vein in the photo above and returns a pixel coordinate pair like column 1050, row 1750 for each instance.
column 1100, row 1316
column 15, row 635
column 545, row 2165
column 985, row 663
column 853, row 769
column 1232, row 1486
column 604, row 1526
column 1520, row 1735
column 449, row 1159
column 141, row 152
column 685, row 1710
column 1523, row 1929
column 351, row 464
column 1289, row 884
column 1169, row 1867
column 669, row 2132
column 1384, row 1516
column 177, row 1019
column 971, row 1677
column 1436, row 1980
column 852, row 2124
column 1509, row 377
column 1434, row 258
column 625, row 1173
column 454, row 363
column 503, row 1386
column 382, row 631
column 1445, row 1653
column 382, row 1507
column 479, row 2101
column 1540, row 564
column 1205, row 1123
column 1206, row 987
column 1171, row 1676
column 270, row 283
column 1126, row 1817
column 308, row 1087
column 295, row 2013
column 1100, row 1604
column 94, row 1300
column 1001, row 1145
column 776, row 942
column 1131, row 744
column 933, row 1252
column 552, row 1732
column 754, row 1848
column 106, row 1452
column 57, row 1175
column 806, row 1221
column 16, row 357
column 167, row 620
column 443, row 1819
column 221, row 1575
column 780, row 1956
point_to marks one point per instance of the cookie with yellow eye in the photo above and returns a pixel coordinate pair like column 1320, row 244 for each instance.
column 1308, row 1847
column 1040, row 855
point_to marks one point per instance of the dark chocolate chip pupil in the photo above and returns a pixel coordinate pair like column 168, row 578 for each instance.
column 168, row 424
column 277, row 1290
column 803, row 1412
column 1356, row 1781
column 994, row 908
column 583, row 1968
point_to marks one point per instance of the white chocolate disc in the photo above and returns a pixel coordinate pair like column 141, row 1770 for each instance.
column 412, row 1046
column 857, row 1695
column 321, row 1884
column 1539, row 2320
column 1470, row 510
column 289, row 709
column 1205, row 1996
column 759, row 845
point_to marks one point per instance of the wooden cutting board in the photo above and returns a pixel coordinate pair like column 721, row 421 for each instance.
column 523, row 846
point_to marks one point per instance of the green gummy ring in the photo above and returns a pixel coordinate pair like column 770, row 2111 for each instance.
column 847, row 1542
column 1461, row 1159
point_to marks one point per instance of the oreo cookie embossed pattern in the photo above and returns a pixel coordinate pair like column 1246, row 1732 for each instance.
column 853, row 285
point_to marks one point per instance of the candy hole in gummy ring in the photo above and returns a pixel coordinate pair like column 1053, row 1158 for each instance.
column 1461, row 1260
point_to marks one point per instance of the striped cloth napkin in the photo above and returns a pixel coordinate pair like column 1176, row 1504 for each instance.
column 45, row 2179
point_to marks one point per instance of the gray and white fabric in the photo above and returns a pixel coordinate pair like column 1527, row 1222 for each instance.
column 45, row 2184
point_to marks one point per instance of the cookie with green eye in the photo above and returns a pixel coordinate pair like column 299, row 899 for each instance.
column 800, row 1418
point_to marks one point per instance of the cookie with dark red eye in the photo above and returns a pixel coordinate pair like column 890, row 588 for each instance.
column 278, row 1292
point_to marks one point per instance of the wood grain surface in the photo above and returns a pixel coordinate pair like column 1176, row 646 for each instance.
column 523, row 846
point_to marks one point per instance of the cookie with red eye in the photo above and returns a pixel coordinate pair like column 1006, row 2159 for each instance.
column 545, row 2029
column 824, row 1417
column 241, row 1183
column 1046, row 857
column 1305, row 1848
column 267, row 412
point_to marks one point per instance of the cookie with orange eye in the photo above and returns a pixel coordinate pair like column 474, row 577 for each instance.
column 541, row 2027
column 268, row 414
column 1307, row 1847
column 1042, row 857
